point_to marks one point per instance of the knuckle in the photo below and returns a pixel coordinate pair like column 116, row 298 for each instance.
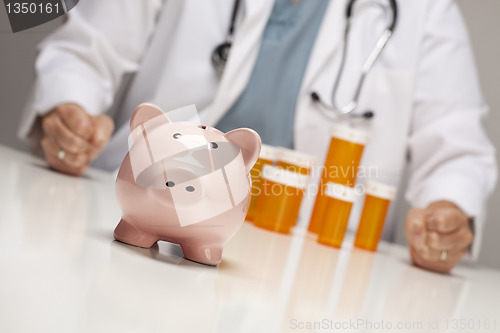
column 433, row 240
column 414, row 220
column 74, row 144
column 58, row 130
column 82, row 126
column 443, row 223
column 48, row 124
column 61, row 110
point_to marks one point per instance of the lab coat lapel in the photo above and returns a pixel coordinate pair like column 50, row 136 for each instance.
column 328, row 42
column 310, row 125
column 242, row 58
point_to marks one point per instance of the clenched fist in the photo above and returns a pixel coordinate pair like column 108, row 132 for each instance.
column 72, row 138
column 438, row 237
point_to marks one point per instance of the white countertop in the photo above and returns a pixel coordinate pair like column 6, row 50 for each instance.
column 61, row 271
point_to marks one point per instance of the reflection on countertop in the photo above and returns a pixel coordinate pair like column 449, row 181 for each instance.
column 61, row 268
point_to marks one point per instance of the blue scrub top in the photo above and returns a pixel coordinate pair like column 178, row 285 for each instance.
column 267, row 104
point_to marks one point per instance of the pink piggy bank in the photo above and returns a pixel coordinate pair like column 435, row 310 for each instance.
column 184, row 183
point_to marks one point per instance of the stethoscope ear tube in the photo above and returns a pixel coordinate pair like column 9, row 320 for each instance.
column 367, row 66
column 394, row 9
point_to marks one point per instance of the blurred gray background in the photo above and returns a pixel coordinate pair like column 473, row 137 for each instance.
column 18, row 52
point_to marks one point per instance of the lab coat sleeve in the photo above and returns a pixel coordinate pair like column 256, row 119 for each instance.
column 84, row 60
column 451, row 157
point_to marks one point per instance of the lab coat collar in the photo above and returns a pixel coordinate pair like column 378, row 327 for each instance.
column 242, row 59
column 246, row 47
column 328, row 42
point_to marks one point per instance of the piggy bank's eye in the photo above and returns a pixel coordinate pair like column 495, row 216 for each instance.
column 170, row 183
column 177, row 136
column 214, row 145
column 202, row 127
column 189, row 188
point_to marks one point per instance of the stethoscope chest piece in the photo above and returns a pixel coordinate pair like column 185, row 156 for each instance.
column 220, row 55
column 221, row 52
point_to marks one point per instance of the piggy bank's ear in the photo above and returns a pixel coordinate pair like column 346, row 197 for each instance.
column 249, row 142
column 143, row 113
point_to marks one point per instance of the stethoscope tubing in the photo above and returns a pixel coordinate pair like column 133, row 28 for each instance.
column 221, row 52
column 348, row 108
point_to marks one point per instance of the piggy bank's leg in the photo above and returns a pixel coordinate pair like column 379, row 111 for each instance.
column 209, row 255
column 127, row 233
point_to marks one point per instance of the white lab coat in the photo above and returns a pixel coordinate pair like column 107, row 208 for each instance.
column 424, row 89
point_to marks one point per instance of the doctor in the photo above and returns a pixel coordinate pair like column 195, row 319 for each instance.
column 423, row 91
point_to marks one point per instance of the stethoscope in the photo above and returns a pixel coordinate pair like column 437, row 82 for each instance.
column 221, row 53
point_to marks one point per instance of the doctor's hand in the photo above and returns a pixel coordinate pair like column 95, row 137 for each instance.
column 72, row 138
column 438, row 237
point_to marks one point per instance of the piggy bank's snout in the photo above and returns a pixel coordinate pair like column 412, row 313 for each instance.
column 182, row 188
